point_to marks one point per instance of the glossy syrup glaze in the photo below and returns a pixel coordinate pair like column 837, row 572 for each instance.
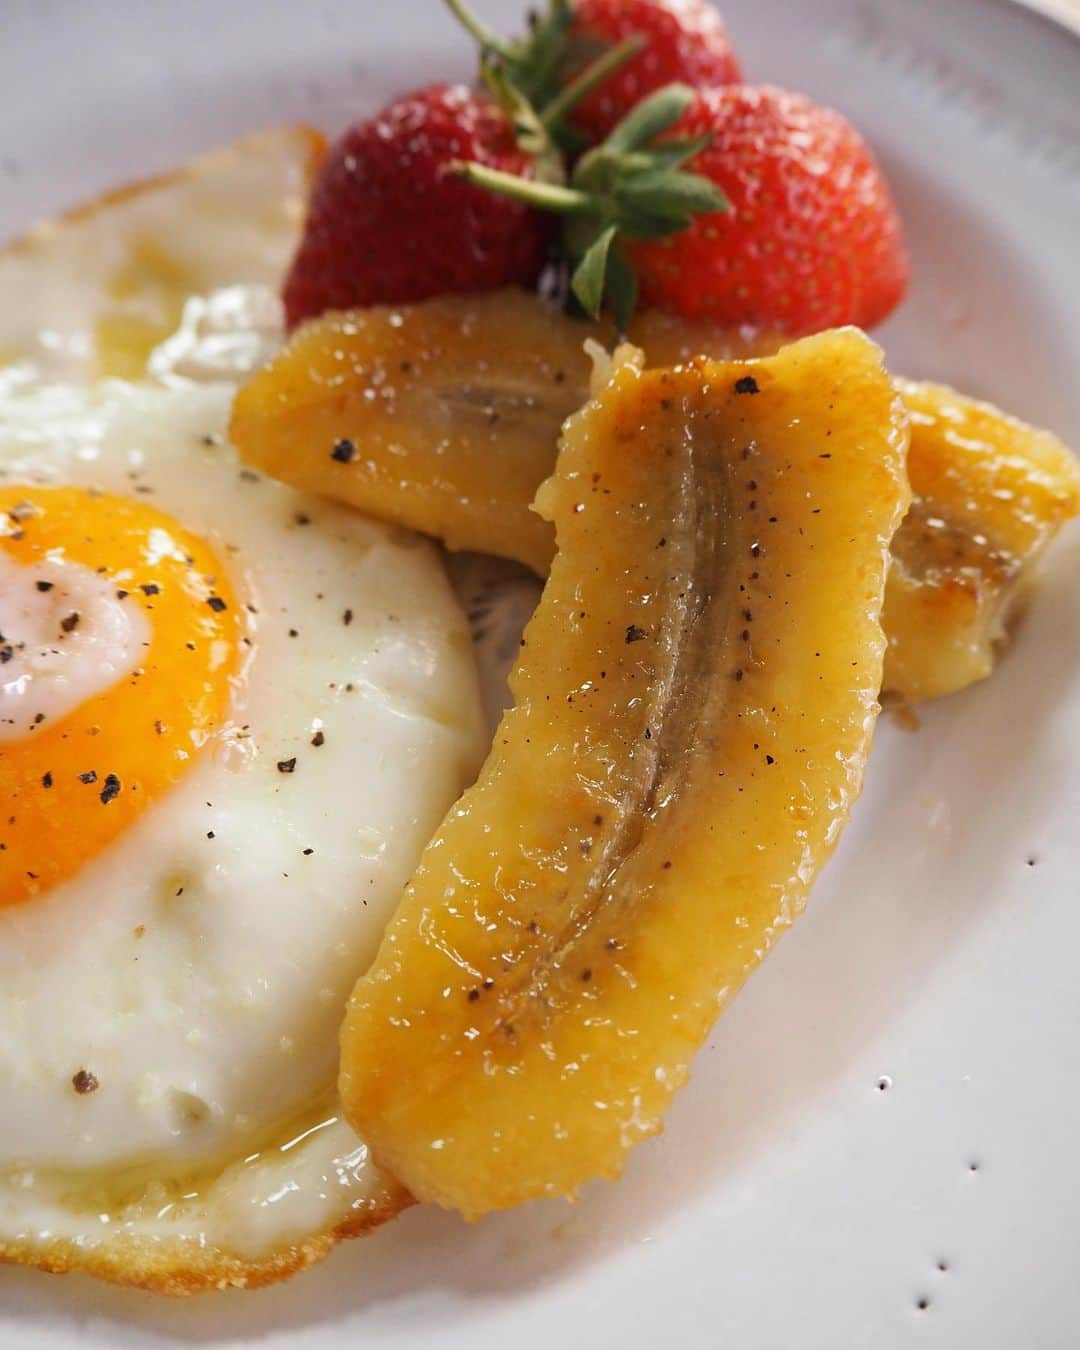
column 694, row 701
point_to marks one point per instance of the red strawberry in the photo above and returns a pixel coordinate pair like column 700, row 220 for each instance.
column 743, row 205
column 386, row 224
column 812, row 238
column 686, row 41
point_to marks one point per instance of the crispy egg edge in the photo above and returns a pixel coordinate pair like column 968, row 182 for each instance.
column 179, row 1268
column 308, row 142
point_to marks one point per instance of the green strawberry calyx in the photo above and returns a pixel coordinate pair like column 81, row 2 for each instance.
column 553, row 68
column 634, row 186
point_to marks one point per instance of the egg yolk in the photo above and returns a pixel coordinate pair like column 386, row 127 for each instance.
column 73, row 783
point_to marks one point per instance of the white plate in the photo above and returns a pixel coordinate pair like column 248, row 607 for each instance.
column 879, row 1146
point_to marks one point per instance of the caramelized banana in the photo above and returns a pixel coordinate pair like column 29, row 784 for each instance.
column 989, row 493
column 442, row 416
column 694, row 703
column 453, row 408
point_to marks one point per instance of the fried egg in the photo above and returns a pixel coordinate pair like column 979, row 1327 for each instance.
column 231, row 715
column 95, row 292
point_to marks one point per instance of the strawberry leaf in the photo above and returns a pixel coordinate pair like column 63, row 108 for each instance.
column 632, row 186
column 622, row 290
column 591, row 273
column 670, row 195
column 650, row 117
column 674, row 154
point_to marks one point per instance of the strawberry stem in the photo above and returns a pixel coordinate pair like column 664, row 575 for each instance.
column 588, row 79
column 546, row 196
column 483, row 35
column 633, row 186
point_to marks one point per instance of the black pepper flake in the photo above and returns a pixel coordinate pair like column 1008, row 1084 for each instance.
column 216, row 603
column 586, row 975
column 746, row 384
column 111, row 790
column 89, row 777
column 121, row 595
column 286, row 765
column 347, row 617
column 84, row 1082
column 46, row 780
column 308, row 852
column 71, row 622
column 6, row 653
column 151, row 588
column 318, row 739
column 343, row 451
column 473, row 995
column 301, row 519
column 634, row 633
column 44, row 586
column 769, row 759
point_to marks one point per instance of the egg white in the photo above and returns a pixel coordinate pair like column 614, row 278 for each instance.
column 227, row 218
column 199, row 967
column 212, row 1152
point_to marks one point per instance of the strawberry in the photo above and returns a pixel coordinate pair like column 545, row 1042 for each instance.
column 812, row 239
column 608, row 55
column 387, row 224
column 743, row 205
column 685, row 40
